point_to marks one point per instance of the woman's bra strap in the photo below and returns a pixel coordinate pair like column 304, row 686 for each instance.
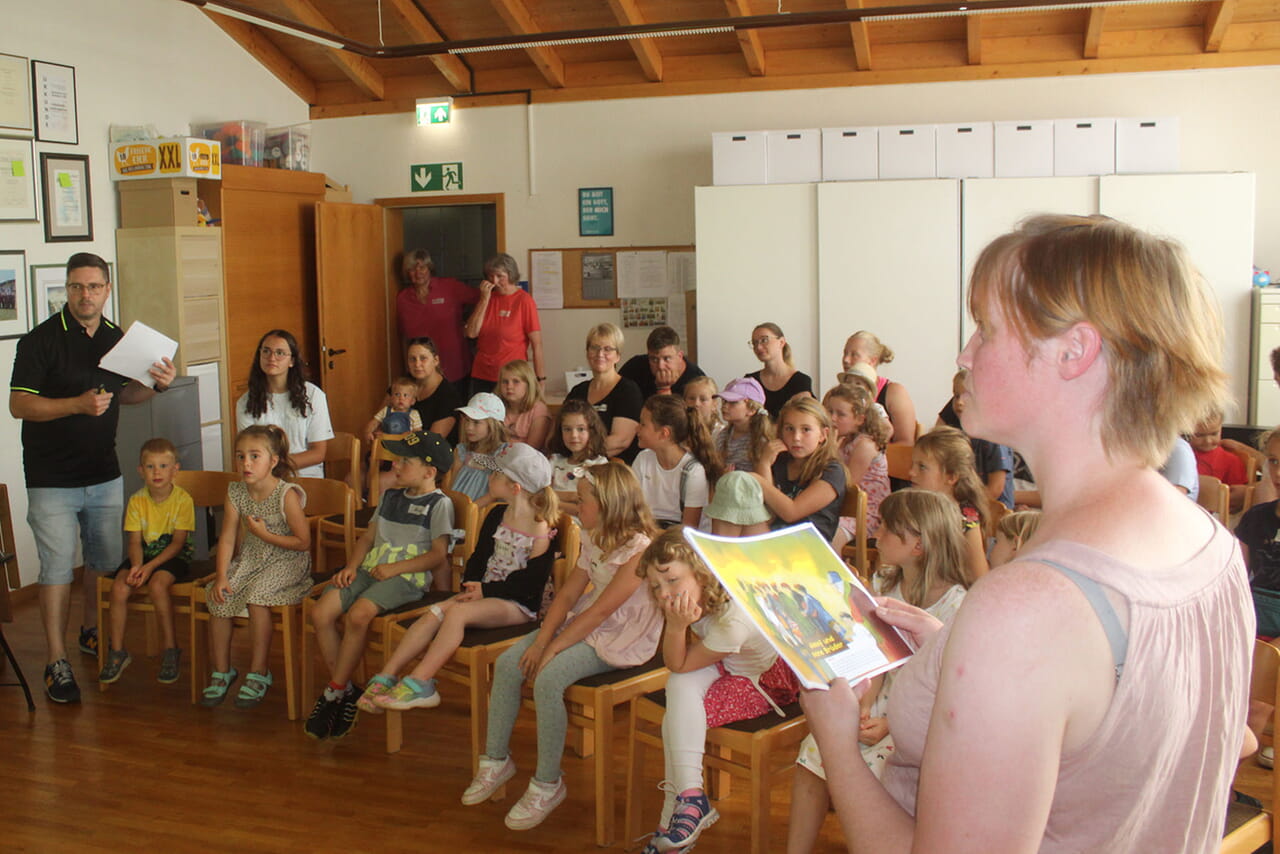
column 1117, row 636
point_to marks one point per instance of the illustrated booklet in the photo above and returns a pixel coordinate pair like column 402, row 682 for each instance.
column 806, row 601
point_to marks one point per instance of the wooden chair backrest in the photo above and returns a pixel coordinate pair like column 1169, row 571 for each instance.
column 1215, row 496
column 343, row 448
column 467, row 517
column 207, row 488
column 568, row 544
column 854, row 507
column 327, row 497
column 377, row 456
column 898, row 458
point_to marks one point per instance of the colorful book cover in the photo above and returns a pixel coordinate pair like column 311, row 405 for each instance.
column 806, row 601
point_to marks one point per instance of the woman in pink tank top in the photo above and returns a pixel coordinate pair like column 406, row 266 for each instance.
column 1090, row 695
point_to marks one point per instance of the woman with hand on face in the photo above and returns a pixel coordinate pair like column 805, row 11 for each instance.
column 279, row 395
column 615, row 398
column 779, row 377
column 1091, row 694
column 505, row 325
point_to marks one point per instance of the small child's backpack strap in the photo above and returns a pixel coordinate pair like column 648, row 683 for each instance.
column 684, row 477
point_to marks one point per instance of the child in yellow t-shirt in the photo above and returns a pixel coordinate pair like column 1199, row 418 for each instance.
column 159, row 521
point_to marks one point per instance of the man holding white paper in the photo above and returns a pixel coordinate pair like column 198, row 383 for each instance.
column 70, row 408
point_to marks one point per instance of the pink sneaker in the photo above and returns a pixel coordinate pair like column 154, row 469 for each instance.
column 492, row 774
column 536, row 804
column 377, row 686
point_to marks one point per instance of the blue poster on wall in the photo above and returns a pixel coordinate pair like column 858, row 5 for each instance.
column 595, row 211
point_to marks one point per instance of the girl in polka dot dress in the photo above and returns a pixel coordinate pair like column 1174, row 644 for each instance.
column 727, row 672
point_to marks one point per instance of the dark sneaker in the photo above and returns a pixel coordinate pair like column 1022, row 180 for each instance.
column 320, row 721
column 117, row 661
column 169, row 660
column 693, row 814
column 345, row 718
column 60, row 682
column 89, row 640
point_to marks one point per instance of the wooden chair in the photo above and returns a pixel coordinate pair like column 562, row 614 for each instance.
column 342, row 461
column 1253, row 470
column 854, row 506
column 377, row 645
column 10, row 577
column 331, row 510
column 898, row 458
column 472, row 664
column 1215, row 496
column 208, row 491
column 377, row 456
column 1248, row 828
column 761, row 750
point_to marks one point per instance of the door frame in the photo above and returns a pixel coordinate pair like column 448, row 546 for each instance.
column 393, row 231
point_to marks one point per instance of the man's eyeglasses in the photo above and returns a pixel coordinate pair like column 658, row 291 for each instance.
column 91, row 287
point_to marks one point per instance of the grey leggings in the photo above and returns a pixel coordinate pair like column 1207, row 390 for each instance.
column 577, row 662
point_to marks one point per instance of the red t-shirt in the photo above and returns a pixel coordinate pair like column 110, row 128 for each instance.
column 441, row 319
column 1223, row 465
column 504, row 333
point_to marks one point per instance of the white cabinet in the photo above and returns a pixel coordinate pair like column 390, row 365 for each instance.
column 1265, row 403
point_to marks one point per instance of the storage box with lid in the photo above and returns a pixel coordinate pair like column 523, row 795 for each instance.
column 289, row 147
column 850, row 154
column 1024, row 149
column 739, row 158
column 162, row 202
column 907, row 151
column 794, row 156
column 176, row 157
column 242, row 142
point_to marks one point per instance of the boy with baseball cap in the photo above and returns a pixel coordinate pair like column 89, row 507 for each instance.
column 392, row 564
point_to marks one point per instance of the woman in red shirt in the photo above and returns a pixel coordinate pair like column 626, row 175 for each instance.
column 505, row 325
column 434, row 307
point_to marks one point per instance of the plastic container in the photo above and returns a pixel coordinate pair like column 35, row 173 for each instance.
column 290, row 146
column 242, row 142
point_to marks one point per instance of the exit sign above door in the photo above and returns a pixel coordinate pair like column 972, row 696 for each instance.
column 427, row 177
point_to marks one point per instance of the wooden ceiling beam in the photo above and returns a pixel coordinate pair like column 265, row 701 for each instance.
column 973, row 35
column 861, row 39
column 519, row 21
column 1216, row 23
column 358, row 69
column 1093, row 32
column 646, row 50
column 257, row 45
column 748, row 40
column 422, row 31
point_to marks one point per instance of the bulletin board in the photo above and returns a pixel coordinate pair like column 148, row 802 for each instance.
column 546, row 266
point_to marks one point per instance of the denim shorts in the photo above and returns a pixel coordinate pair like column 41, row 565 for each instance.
column 388, row 594
column 94, row 513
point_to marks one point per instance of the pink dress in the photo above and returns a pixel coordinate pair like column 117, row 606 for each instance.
column 630, row 635
column 1156, row 774
column 520, row 425
column 875, row 483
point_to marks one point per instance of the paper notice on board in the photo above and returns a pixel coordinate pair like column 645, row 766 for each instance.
column 643, row 274
column 134, row 354
column 676, row 316
column 546, row 279
column 682, row 271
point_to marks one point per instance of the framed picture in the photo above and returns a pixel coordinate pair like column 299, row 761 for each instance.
column 17, row 180
column 15, row 94
column 53, row 90
column 49, row 292
column 15, row 318
column 68, row 209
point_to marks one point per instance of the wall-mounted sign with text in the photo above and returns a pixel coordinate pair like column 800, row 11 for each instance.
column 595, row 211
column 426, row 177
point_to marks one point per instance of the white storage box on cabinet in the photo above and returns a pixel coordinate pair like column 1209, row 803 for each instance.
column 907, row 151
column 850, row 154
column 1024, row 149
column 739, row 158
column 795, row 156
column 1084, row 147
column 1146, row 146
column 966, row 150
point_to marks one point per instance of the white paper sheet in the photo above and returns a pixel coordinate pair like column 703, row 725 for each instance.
column 643, row 274
column 546, row 279
column 682, row 271
column 676, row 318
column 134, row 354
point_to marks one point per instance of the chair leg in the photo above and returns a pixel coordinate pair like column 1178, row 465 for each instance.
column 288, row 614
column 760, row 788
column 395, row 730
column 718, row 781
column 479, row 679
column 604, row 768
column 307, row 666
column 153, row 635
column 632, row 814
column 103, row 603
column 17, row 671
column 195, row 658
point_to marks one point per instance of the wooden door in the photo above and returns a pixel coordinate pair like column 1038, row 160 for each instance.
column 350, row 284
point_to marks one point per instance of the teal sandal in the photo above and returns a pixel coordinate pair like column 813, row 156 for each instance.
column 253, row 690
column 216, row 691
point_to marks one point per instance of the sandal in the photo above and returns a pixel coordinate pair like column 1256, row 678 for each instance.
column 216, row 691
column 253, row 690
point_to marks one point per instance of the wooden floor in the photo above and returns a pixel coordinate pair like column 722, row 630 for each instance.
column 139, row 768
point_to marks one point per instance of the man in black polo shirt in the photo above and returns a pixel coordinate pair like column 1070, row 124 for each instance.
column 664, row 369
column 69, row 409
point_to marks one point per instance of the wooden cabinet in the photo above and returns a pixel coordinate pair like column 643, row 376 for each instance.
column 1264, row 410
column 172, row 280
column 267, row 221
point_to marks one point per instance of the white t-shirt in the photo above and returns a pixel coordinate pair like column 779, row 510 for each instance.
column 301, row 430
column 661, row 487
column 732, row 631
